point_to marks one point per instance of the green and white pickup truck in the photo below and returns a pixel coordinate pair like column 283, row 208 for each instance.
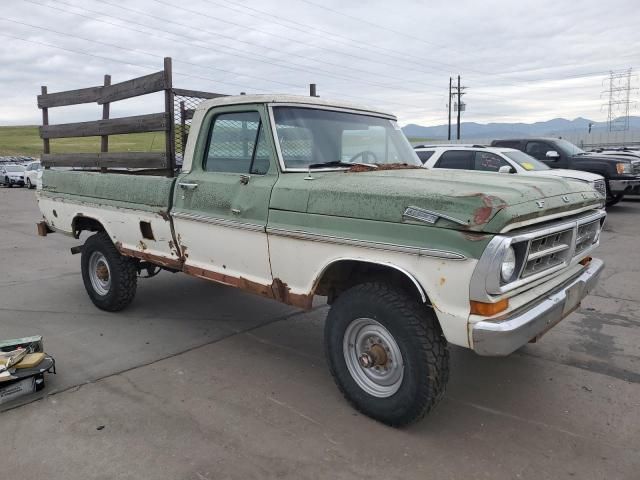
column 295, row 197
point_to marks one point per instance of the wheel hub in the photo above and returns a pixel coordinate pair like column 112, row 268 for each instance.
column 102, row 272
column 376, row 356
column 99, row 273
column 373, row 357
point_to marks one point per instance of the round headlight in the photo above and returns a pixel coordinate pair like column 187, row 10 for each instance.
column 508, row 266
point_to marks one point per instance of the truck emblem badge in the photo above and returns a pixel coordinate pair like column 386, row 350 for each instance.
column 565, row 199
column 540, row 203
column 427, row 216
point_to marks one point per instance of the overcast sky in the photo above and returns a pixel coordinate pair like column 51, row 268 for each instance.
column 521, row 61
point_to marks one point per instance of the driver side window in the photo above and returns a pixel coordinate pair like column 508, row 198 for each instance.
column 538, row 150
column 489, row 162
column 237, row 144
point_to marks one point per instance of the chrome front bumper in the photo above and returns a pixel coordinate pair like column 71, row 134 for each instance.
column 503, row 335
column 624, row 186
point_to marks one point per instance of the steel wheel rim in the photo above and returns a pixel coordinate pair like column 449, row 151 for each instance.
column 380, row 381
column 99, row 273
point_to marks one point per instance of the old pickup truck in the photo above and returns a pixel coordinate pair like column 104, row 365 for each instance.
column 293, row 197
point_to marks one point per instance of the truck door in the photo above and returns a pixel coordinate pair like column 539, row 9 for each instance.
column 221, row 205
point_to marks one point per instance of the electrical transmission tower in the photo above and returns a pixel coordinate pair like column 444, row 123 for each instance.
column 619, row 99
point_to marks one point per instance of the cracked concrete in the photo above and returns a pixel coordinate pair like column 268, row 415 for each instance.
column 200, row 381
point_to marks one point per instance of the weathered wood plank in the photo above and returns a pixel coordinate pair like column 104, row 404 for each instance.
column 135, row 87
column 69, row 97
column 106, row 160
column 154, row 122
column 197, row 93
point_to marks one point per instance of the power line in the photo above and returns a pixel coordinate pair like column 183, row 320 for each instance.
column 148, row 66
column 288, row 39
column 337, row 94
column 328, row 35
column 243, row 53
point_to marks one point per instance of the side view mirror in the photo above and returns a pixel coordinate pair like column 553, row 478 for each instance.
column 552, row 154
column 505, row 169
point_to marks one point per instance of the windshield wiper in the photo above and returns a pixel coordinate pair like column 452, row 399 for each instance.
column 339, row 163
column 333, row 163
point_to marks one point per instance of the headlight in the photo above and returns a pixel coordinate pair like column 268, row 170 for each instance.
column 508, row 267
column 623, row 168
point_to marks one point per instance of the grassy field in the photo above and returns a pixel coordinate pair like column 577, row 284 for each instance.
column 24, row 140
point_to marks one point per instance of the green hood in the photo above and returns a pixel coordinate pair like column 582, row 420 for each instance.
column 484, row 201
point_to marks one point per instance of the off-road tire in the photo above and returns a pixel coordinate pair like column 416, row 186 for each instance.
column 612, row 199
column 416, row 332
column 123, row 274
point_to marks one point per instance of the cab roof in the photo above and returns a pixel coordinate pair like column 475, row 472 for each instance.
column 291, row 99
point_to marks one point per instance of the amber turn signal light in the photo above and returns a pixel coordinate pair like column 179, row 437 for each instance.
column 489, row 309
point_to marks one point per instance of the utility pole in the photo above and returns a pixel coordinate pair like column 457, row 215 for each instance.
column 459, row 106
column 449, row 105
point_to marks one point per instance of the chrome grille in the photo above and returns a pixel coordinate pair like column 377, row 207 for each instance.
column 547, row 252
column 600, row 187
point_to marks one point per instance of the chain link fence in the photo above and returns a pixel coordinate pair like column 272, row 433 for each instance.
column 185, row 103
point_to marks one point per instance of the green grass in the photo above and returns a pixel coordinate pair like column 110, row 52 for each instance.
column 24, row 140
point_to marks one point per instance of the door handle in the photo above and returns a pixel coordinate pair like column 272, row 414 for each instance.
column 244, row 179
column 188, row 186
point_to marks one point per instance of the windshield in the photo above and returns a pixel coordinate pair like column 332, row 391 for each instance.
column 526, row 161
column 568, row 147
column 313, row 138
column 14, row 168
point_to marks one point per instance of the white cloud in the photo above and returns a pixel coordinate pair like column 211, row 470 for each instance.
column 516, row 58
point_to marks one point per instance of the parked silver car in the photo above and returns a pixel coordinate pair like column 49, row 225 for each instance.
column 11, row 175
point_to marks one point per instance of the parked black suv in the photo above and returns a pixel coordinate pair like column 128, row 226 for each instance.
column 622, row 174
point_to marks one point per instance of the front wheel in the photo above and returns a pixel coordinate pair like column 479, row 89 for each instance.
column 386, row 353
column 109, row 277
column 29, row 185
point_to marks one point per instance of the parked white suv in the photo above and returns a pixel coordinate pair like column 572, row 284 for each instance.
column 499, row 160
column 31, row 174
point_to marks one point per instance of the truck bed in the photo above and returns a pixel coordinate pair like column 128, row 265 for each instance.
column 133, row 208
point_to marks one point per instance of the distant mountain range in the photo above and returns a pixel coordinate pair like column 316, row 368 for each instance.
column 555, row 127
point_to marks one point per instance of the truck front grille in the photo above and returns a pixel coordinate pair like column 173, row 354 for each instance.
column 555, row 248
column 548, row 252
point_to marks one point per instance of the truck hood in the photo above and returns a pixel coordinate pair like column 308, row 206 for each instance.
column 478, row 201
column 571, row 174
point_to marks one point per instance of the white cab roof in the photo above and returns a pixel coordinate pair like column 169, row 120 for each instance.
column 295, row 99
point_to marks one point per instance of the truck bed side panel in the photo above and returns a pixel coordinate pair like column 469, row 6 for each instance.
column 133, row 209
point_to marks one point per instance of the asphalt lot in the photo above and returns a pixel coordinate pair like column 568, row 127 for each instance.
column 200, row 381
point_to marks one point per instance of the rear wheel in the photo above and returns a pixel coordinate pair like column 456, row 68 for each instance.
column 109, row 277
column 386, row 353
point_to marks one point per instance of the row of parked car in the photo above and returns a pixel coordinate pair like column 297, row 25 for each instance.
column 20, row 174
column 614, row 172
